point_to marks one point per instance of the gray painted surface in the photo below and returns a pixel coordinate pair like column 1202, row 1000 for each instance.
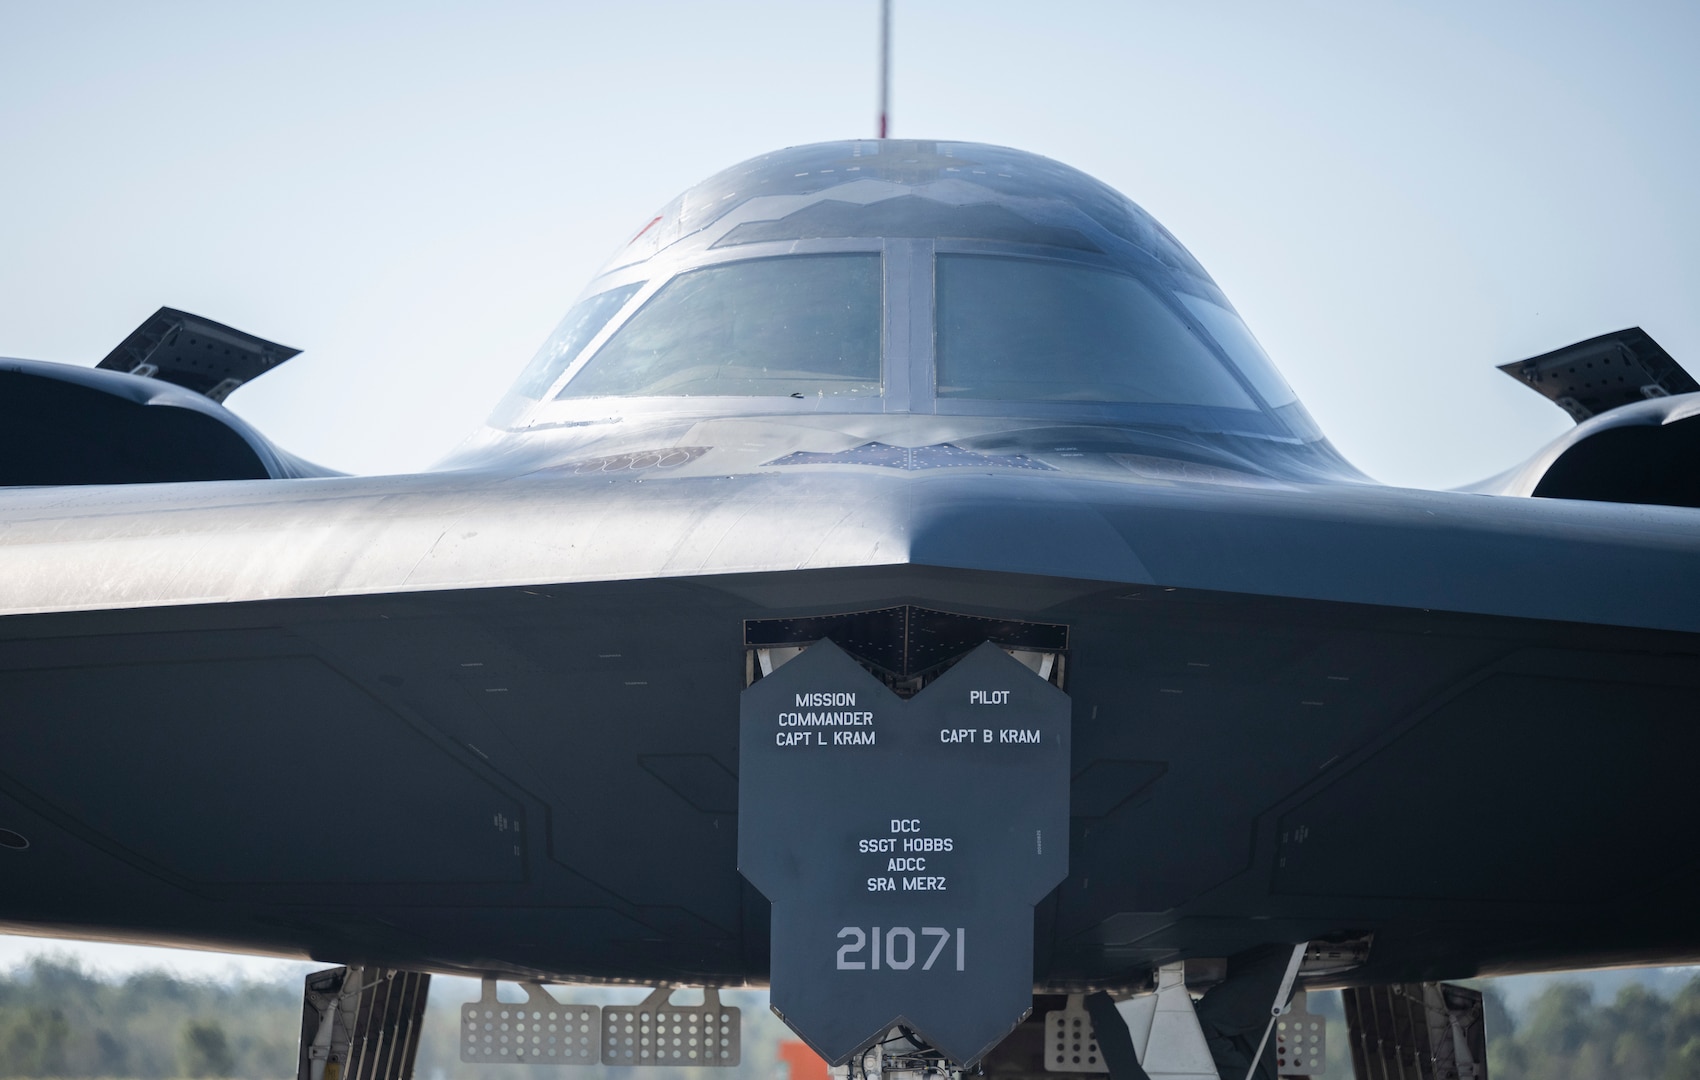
column 904, row 848
column 485, row 719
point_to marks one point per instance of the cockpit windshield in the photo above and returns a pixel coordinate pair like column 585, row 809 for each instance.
column 1236, row 340
column 1012, row 329
column 893, row 277
column 800, row 326
column 582, row 323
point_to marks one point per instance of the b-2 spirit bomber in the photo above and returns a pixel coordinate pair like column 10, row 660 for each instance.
column 901, row 581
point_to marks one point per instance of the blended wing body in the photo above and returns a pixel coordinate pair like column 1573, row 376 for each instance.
column 486, row 719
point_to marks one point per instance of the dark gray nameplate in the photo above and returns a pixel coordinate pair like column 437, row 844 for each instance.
column 903, row 844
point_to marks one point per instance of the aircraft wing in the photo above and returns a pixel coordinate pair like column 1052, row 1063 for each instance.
column 541, row 672
column 68, row 549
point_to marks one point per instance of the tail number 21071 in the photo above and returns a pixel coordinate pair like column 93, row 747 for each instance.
column 898, row 950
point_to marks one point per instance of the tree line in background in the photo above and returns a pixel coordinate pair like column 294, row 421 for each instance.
column 57, row 1020
column 1566, row 1035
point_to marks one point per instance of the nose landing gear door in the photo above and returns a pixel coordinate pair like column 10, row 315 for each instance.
column 903, row 845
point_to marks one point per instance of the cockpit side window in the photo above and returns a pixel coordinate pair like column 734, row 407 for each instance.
column 795, row 326
column 582, row 322
column 1013, row 329
column 1236, row 340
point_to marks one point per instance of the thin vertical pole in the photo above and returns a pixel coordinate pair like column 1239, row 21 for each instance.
column 885, row 66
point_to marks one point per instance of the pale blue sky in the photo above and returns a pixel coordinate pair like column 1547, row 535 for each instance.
column 1397, row 197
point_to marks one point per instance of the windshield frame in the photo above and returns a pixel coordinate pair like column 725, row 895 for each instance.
column 909, row 298
column 727, row 286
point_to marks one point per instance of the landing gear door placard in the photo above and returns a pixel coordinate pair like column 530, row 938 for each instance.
column 903, row 845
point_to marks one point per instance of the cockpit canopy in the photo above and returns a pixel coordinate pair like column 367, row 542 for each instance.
column 902, row 276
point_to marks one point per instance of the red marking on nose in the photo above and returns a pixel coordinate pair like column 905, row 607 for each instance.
column 643, row 230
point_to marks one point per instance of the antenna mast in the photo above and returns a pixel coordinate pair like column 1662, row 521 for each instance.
column 885, row 66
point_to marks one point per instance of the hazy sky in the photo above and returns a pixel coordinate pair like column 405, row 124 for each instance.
column 1397, row 197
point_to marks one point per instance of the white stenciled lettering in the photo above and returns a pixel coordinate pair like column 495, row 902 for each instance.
column 988, row 697
column 923, row 884
column 845, row 952
column 825, row 699
column 826, row 719
column 903, row 825
column 878, row 845
column 853, row 738
column 926, row 843
column 943, row 936
column 904, row 864
column 882, row 884
column 1020, row 735
column 907, row 958
column 900, row 948
column 957, row 735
